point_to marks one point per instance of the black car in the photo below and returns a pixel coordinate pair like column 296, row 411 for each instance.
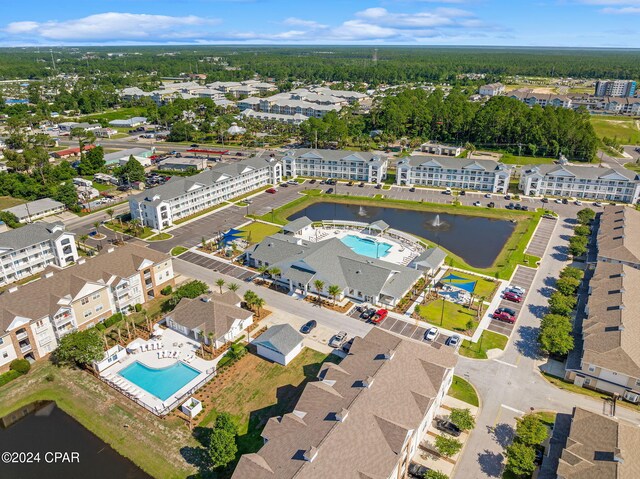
column 417, row 471
column 510, row 206
column 361, row 184
column 525, row 208
column 368, row 313
column 463, row 193
column 412, row 190
column 448, row 427
column 378, row 186
column 329, row 191
column 284, row 185
column 195, row 145
column 517, row 206
column 308, row 326
column 312, row 182
column 565, row 201
column 491, row 205
column 545, row 200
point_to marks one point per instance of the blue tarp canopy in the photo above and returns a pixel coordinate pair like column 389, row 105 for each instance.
column 231, row 235
column 459, row 282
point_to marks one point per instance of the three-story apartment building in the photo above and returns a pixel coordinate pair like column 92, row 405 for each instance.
column 179, row 198
column 339, row 164
column 33, row 317
column 447, row 172
column 30, row 249
column 589, row 182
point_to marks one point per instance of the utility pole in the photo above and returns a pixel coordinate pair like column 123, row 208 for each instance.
column 53, row 62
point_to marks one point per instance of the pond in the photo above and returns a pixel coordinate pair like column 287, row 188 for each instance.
column 477, row 240
column 44, row 428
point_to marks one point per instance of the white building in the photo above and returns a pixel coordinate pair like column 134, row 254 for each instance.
column 589, row 182
column 623, row 88
column 182, row 197
column 492, row 89
column 280, row 344
column 446, row 172
column 439, row 149
column 130, row 122
column 34, row 210
column 340, row 164
column 30, row 249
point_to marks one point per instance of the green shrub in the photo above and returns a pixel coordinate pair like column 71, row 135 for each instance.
column 114, row 319
column 166, row 291
column 8, row 377
column 21, row 366
column 138, row 307
column 100, row 327
column 49, row 378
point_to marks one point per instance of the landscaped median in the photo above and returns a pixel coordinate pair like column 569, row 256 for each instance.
column 488, row 340
column 511, row 255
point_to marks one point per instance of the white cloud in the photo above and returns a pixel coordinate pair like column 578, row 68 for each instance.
column 303, row 23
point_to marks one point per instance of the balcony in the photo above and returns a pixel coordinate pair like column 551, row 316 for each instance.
column 22, row 335
column 25, row 347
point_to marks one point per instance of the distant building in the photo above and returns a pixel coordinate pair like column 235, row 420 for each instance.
column 438, row 149
column 280, row 344
column 339, row 164
column 129, row 123
column 492, row 89
column 69, row 152
column 183, row 164
column 622, row 88
column 35, row 210
column 122, row 156
column 529, row 97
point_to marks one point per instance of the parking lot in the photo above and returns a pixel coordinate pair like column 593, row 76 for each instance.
column 523, row 277
column 217, row 266
column 541, row 237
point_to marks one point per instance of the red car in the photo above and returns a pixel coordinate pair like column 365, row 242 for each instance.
column 380, row 316
column 511, row 296
column 272, row 191
column 502, row 315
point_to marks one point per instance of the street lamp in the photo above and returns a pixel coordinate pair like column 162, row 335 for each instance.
column 442, row 313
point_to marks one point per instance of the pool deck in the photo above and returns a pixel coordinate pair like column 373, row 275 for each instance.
column 170, row 341
column 397, row 254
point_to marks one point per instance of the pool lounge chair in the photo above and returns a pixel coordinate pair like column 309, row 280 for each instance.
column 175, row 354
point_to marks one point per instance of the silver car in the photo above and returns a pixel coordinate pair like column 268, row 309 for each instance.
column 338, row 340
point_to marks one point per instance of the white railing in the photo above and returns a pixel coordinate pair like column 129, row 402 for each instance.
column 392, row 234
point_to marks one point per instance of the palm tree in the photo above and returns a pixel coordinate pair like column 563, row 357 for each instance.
column 480, row 306
column 258, row 303
column 334, row 290
column 211, row 346
column 134, row 223
column 220, row 283
column 119, row 335
column 275, row 271
column 83, row 240
column 110, row 212
column 249, row 299
column 263, row 270
column 319, row 285
column 233, row 287
column 203, row 244
column 96, row 225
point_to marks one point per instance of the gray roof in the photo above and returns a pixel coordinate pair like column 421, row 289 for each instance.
column 337, row 155
column 30, row 234
column 431, row 258
column 582, row 172
column 111, row 157
column 34, row 207
column 618, row 234
column 297, row 224
column 281, row 338
column 452, row 163
column 379, row 225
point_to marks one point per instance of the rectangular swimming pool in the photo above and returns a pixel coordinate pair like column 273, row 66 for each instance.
column 162, row 383
column 366, row 246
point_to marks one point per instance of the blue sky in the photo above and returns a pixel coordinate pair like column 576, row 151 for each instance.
column 572, row 23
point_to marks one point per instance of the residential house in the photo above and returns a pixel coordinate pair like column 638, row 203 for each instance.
column 618, row 233
column 280, row 344
column 340, row 164
column 438, row 149
column 444, row 172
column 362, row 418
column 35, row 210
column 30, row 249
column 214, row 319
column 69, row 152
column 182, row 197
column 588, row 182
column 492, row 89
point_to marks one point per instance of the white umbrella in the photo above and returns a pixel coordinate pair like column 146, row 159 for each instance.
column 158, row 332
column 134, row 346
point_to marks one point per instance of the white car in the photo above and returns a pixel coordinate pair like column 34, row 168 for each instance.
column 488, row 195
column 477, row 203
column 431, row 334
column 558, row 200
column 517, row 289
column 578, row 203
column 598, row 204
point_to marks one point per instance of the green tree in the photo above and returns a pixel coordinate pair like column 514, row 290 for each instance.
column 250, row 298
column 181, row 131
column 567, row 285
column 520, row 459
column 80, row 348
column 578, row 245
column 67, row 195
column 447, row 446
column 319, row 285
column 334, row 290
column 433, row 474
column 220, row 283
column 462, row 418
column 582, row 230
column 233, row 287
column 530, row 430
column 131, row 171
column 561, row 304
column 222, row 448
column 93, row 161
column 571, row 272
column 586, row 216
column 225, row 422
column 258, row 302
column 555, row 334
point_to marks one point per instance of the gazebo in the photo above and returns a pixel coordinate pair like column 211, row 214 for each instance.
column 377, row 227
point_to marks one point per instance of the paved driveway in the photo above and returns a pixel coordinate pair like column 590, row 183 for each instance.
column 541, row 237
column 217, row 266
column 522, row 277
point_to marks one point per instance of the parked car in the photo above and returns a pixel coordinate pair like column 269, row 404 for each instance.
column 292, row 182
column 379, row 316
column 511, row 296
column 507, row 197
column 518, row 289
column 558, row 201
column 463, row 193
column 379, row 186
column 487, row 195
column 477, row 203
column 272, row 191
column 195, row 145
column 350, row 183
column 346, row 347
column 491, row 204
column 453, row 341
column 284, row 185
column 565, row 201
column 338, row 339
column 577, row 203
column 308, row 326
column 412, row 189
column 598, row 204
column 517, row 206
column 447, row 191
column 368, row 313
column 431, row 334
column 549, row 216
column 525, row 208
column 312, row 182
column 510, row 206
column 417, row 471
column 545, row 200
column 502, row 315
column 361, row 184
column 329, row 191
column 448, row 427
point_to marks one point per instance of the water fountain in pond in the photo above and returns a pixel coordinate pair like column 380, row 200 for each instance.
column 362, row 211
column 437, row 224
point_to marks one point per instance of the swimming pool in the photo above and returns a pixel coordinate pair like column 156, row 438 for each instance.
column 162, row 383
column 366, row 246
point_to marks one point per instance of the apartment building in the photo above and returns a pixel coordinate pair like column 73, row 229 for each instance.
column 34, row 316
column 28, row 250
column 341, row 164
column 492, row 89
column 621, row 88
column 589, row 182
column 446, row 172
column 35, row 210
column 531, row 98
column 364, row 417
column 618, row 233
column 179, row 198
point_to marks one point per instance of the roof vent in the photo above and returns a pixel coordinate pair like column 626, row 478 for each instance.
column 205, row 299
column 300, row 414
column 342, row 415
column 110, row 250
column 13, row 289
column 617, row 455
column 389, row 354
column 48, row 274
column 368, row 381
column 310, row 454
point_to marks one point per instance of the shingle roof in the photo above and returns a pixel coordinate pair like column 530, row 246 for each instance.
column 337, row 155
column 31, row 234
column 618, row 234
column 431, row 257
column 447, row 162
column 34, row 207
column 281, row 338
column 297, row 224
column 600, row 447
column 581, row 172
column 354, row 431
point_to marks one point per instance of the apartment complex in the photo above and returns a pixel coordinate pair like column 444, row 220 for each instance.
column 36, row 315
column 589, row 182
column 446, row 172
column 529, row 97
column 618, row 233
column 179, row 198
column 28, row 250
column 623, row 88
column 598, row 447
column 492, row 89
column 363, row 418
column 342, row 164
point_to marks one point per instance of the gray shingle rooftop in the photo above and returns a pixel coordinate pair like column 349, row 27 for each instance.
column 30, row 234
column 281, row 338
column 337, row 155
column 582, row 172
column 297, row 224
column 34, row 207
column 453, row 163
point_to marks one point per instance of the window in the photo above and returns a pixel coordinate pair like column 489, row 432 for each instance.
column 87, row 313
column 95, row 296
column 592, row 368
column 5, row 354
column 84, row 301
column 586, row 382
column 99, row 308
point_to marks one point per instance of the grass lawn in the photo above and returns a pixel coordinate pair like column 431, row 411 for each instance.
column 160, row 237
column 464, row 391
column 488, row 340
column 633, row 167
column 119, row 114
column 9, row 201
column 455, row 316
column 178, row 250
column 115, row 226
column 510, row 159
column 511, row 255
column 257, row 231
column 547, row 417
column 105, row 412
column 254, row 390
column 484, row 287
column 624, row 128
column 102, row 187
